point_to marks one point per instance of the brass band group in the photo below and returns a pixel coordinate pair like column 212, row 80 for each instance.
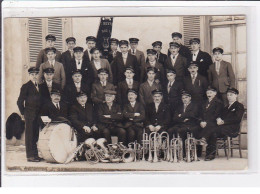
column 159, row 106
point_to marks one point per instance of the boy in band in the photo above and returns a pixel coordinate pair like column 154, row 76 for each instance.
column 134, row 51
column 59, row 73
column 161, row 58
column 146, row 88
column 113, row 47
column 221, row 74
column 29, row 104
column 128, row 83
column 91, row 43
column 134, row 114
column 42, row 57
column 110, row 118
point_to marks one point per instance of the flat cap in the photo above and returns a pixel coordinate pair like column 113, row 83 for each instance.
column 81, row 93
column 33, row 70
column 50, row 37
column 133, row 40
column 130, row 68
column 48, row 70
column 51, row 49
column 175, row 44
column 78, row 49
column 94, row 49
column 151, row 51
column 132, row 90
column 174, row 34
column 70, row 39
column 78, row 71
column 197, row 40
column 232, row 90
column 55, row 91
column 185, row 93
column 157, row 91
column 151, row 69
column 170, row 71
column 123, row 42
column 157, row 43
column 102, row 70
column 91, row 38
column 218, row 49
column 110, row 92
column 211, row 88
column 114, row 40
column 193, row 63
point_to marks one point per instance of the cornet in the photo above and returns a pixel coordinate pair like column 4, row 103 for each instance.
column 164, row 145
column 90, row 152
column 137, row 150
column 153, row 147
column 145, row 143
column 190, row 147
column 176, row 149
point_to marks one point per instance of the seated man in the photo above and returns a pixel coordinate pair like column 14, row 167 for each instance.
column 157, row 114
column 134, row 114
column 110, row 118
column 82, row 119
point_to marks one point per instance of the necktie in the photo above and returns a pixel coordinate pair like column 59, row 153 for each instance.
column 173, row 57
column 77, row 87
column 57, row 106
column 103, row 84
column 83, row 106
column 193, row 79
column 156, row 107
column 217, row 66
column 133, row 52
column 36, row 85
column 132, row 104
column 124, row 59
column 169, row 87
column 109, row 106
column 114, row 54
column 185, row 106
column 52, row 64
column 78, row 65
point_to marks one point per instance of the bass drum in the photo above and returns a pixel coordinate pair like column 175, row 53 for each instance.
column 56, row 142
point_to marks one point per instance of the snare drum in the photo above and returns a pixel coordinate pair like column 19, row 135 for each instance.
column 56, row 142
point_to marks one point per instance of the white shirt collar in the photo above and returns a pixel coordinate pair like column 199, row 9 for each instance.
column 229, row 105
column 196, row 53
column 55, row 104
column 150, row 82
column 174, row 57
column 52, row 62
column 128, row 80
column 133, row 103
column 195, row 75
column 152, row 63
column 105, row 82
column 124, row 55
column 48, row 82
column 77, row 84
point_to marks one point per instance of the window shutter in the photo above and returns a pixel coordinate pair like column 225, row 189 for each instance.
column 191, row 28
column 35, row 37
column 55, row 28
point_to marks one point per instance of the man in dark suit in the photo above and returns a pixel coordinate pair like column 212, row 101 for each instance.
column 221, row 74
column 128, row 83
column 83, row 119
column 196, row 84
column 91, row 43
column 68, row 55
column 161, row 58
column 113, row 47
column 46, row 87
column 110, row 118
column 157, row 114
column 42, row 57
column 29, row 104
column 203, row 59
column 184, row 51
column 211, row 110
column 77, row 85
column 134, row 51
column 176, row 61
column 123, row 60
column 134, row 115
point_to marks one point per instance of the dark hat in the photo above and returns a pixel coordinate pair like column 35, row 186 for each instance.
column 48, row 70
column 174, row 34
column 132, row 90
column 110, row 92
column 78, row 71
column 185, row 93
column 232, row 90
column 151, row 51
column 94, row 49
column 170, row 71
column 157, row 91
column 133, row 40
column 218, row 49
column 55, row 91
column 157, row 43
column 197, row 40
column 51, row 49
column 78, row 49
column 130, row 68
column 102, row 70
column 81, row 93
column 91, row 38
column 114, row 40
column 122, row 42
column 151, row 69
column 193, row 63
column 70, row 39
column 175, row 44
column 211, row 88
column 33, row 70
column 50, row 37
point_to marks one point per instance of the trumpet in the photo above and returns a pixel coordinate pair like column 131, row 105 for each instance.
column 153, row 147
column 190, row 147
column 145, row 143
column 90, row 152
column 176, row 149
column 164, row 145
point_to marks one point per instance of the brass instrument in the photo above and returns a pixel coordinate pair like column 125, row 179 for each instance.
column 176, row 149
column 120, row 153
column 190, row 147
column 101, row 150
column 153, row 147
column 90, row 152
column 137, row 150
column 164, row 145
column 145, row 145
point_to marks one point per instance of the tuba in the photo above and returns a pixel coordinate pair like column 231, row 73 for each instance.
column 164, row 144
column 101, row 150
column 90, row 152
column 153, row 147
column 190, row 147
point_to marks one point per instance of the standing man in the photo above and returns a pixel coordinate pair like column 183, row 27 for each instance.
column 221, row 74
column 50, row 42
column 59, row 73
column 161, row 58
column 122, row 61
column 203, row 59
column 184, row 51
column 91, row 43
column 29, row 104
column 134, row 51
column 113, row 47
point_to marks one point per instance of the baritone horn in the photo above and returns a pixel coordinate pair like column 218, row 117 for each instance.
column 102, row 150
column 90, row 152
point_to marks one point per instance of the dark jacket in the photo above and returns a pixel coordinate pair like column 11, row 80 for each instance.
column 50, row 110
column 160, row 75
column 122, row 88
column 132, row 120
column 42, row 57
column 97, row 92
column 86, row 56
column 145, row 92
column 66, row 59
column 111, row 57
column 173, row 97
column 45, row 93
column 184, row 51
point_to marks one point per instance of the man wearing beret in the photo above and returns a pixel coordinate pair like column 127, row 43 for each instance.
column 123, row 60
column 124, row 86
column 42, row 57
column 221, row 74
column 83, row 119
column 161, row 58
column 134, row 113
column 152, row 62
column 184, row 51
column 146, row 88
column 176, row 61
column 68, row 55
column 113, row 47
column 29, row 103
column 91, row 43
column 110, row 118
column 46, row 87
column 80, row 63
column 203, row 59
column 59, row 73
column 134, row 51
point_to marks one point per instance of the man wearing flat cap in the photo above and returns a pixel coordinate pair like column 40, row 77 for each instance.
column 202, row 58
column 59, row 73
column 91, row 43
column 161, row 58
column 29, row 103
column 113, row 49
column 134, row 114
column 152, row 62
column 122, row 61
column 184, row 51
column 83, row 119
column 110, row 118
column 176, row 61
column 42, row 57
column 134, row 51
column 221, row 74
